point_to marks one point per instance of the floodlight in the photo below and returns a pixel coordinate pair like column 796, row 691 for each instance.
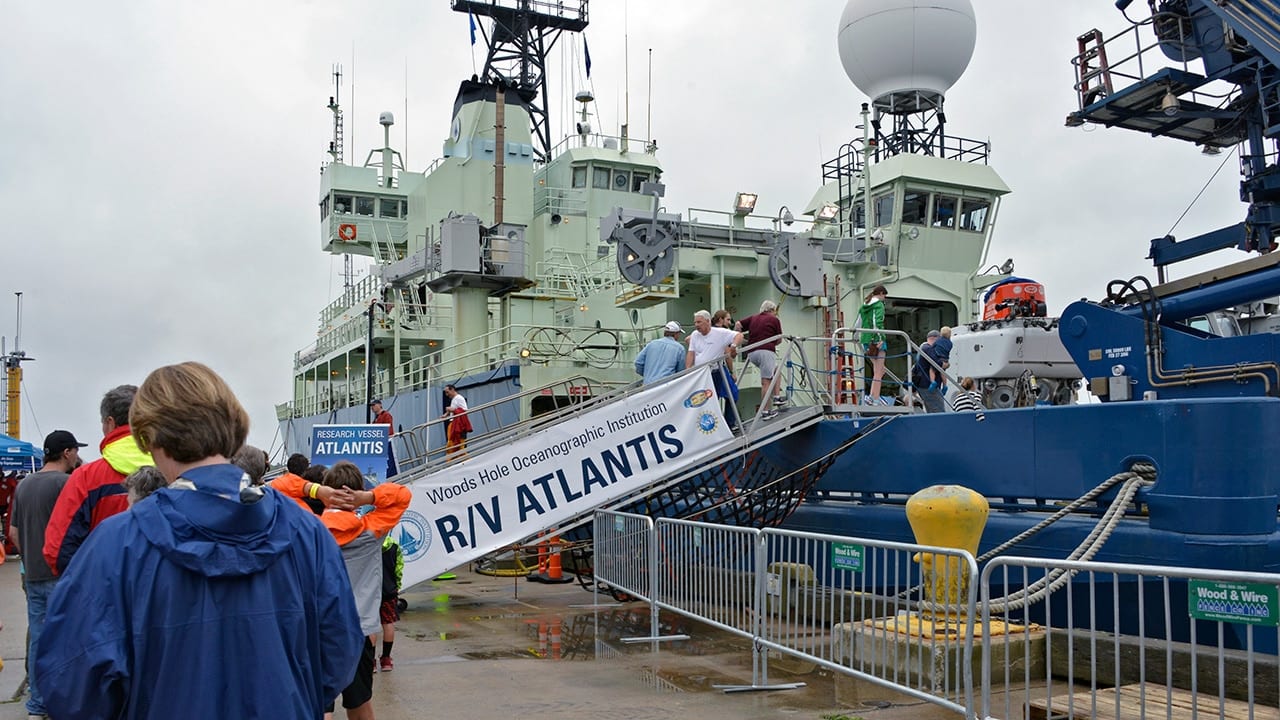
column 744, row 203
column 828, row 212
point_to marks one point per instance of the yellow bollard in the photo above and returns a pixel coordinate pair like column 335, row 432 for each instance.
column 947, row 516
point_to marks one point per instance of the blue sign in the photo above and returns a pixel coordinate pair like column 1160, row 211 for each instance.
column 365, row 446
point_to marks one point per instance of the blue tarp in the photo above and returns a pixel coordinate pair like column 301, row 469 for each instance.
column 19, row 455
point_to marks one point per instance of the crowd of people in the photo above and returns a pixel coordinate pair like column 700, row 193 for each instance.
column 717, row 337
column 164, row 579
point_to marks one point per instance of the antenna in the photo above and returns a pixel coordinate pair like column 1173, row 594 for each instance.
column 335, row 145
column 17, row 338
column 648, row 121
column 626, row 67
column 353, row 93
column 405, row 156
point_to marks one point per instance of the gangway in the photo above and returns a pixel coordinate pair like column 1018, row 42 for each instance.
column 665, row 443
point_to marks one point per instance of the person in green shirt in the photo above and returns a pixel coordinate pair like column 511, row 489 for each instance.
column 873, row 343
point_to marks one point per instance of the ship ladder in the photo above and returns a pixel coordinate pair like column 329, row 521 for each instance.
column 1093, row 73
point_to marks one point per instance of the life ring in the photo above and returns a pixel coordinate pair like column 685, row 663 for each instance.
column 347, row 232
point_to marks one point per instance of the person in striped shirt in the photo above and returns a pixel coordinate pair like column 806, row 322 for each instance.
column 968, row 399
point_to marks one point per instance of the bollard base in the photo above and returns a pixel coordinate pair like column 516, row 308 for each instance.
column 928, row 655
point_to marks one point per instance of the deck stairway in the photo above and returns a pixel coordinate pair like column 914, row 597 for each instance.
column 661, row 449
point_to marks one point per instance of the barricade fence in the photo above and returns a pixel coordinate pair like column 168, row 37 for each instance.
column 834, row 601
column 1107, row 640
column 1124, row 640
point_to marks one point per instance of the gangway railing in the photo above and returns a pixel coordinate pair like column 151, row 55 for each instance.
column 846, row 343
column 414, row 447
column 551, row 472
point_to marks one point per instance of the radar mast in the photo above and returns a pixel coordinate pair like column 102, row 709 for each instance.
column 523, row 33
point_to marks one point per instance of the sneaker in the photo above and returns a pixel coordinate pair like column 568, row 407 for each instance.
column 375, row 666
column 866, row 400
column 387, row 665
column 769, row 415
column 780, row 400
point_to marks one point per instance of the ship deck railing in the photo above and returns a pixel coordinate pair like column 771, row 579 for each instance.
column 811, row 380
column 599, row 348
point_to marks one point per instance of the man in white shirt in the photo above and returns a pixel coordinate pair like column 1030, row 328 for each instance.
column 707, row 344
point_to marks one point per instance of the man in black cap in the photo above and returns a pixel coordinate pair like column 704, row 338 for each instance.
column 32, row 505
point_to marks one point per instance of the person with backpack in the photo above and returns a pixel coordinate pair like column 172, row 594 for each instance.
column 389, row 611
column 930, row 383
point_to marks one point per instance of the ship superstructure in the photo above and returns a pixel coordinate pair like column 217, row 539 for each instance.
column 514, row 263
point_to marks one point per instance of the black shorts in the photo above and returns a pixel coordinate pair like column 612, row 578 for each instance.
column 360, row 691
column 389, row 611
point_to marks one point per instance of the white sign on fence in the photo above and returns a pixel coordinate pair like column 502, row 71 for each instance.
column 499, row 498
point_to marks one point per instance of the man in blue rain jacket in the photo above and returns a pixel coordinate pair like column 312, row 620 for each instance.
column 211, row 598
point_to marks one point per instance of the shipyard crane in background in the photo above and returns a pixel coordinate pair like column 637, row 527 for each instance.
column 1206, row 72
column 13, row 379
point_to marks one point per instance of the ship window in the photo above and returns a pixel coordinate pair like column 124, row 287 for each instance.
column 342, row 204
column 621, row 181
column 915, row 207
column 858, row 215
column 389, row 208
column 600, row 178
column 973, row 215
column 637, row 178
column 364, row 206
column 944, row 211
column 324, row 207
column 884, row 209
column 404, row 208
column 579, row 176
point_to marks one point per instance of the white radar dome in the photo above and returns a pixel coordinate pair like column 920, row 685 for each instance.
column 901, row 51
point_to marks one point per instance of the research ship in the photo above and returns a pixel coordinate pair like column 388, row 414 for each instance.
column 529, row 273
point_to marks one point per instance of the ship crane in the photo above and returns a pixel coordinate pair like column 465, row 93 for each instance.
column 13, row 378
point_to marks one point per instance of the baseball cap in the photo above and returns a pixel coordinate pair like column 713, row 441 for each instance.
column 934, row 333
column 674, row 327
column 374, row 402
column 59, row 440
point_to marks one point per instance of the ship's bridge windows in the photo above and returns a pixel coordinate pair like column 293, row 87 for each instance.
column 600, row 178
column 579, row 177
column 621, row 180
column 324, row 207
column 342, row 204
column 915, row 207
column 364, row 206
column 944, row 211
column 388, row 208
column 883, row 205
column 638, row 178
column 973, row 214
column 404, row 208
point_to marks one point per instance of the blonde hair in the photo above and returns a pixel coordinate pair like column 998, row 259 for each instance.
column 188, row 411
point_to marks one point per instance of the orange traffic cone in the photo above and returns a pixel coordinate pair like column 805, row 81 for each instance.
column 551, row 572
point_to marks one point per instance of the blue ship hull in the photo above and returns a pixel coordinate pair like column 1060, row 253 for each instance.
column 1214, row 503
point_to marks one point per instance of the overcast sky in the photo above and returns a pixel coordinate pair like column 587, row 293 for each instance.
column 159, row 161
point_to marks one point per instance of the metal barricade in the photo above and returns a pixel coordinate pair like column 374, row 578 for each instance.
column 622, row 553
column 850, row 605
column 1128, row 641
column 845, row 603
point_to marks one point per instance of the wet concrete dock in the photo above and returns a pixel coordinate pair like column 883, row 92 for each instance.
column 487, row 647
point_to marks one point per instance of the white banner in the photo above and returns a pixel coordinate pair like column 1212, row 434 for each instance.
column 507, row 494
